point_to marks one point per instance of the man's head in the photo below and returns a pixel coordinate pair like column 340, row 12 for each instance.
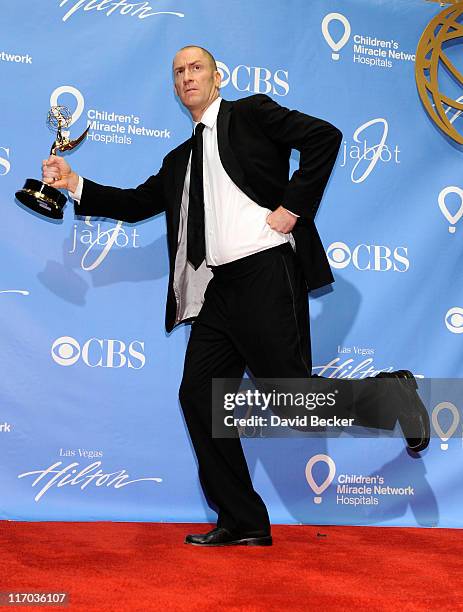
column 196, row 79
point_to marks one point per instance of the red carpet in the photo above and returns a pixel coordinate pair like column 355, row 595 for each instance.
column 138, row 566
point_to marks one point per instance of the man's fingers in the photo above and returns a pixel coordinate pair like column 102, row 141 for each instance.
column 280, row 220
column 51, row 167
column 282, row 227
column 57, row 182
column 51, row 180
column 61, row 184
column 56, row 172
column 51, row 174
column 51, row 171
column 54, row 161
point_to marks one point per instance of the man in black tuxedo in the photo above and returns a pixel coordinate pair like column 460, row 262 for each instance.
column 243, row 251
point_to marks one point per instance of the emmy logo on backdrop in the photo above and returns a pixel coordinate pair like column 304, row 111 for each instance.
column 445, row 435
column 446, row 27
column 39, row 196
column 320, row 488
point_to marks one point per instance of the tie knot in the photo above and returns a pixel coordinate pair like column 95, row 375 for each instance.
column 199, row 129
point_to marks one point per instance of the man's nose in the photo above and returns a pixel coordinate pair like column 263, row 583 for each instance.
column 187, row 76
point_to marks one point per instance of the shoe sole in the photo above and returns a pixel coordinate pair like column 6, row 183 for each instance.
column 265, row 541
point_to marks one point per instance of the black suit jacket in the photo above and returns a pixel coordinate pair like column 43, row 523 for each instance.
column 255, row 138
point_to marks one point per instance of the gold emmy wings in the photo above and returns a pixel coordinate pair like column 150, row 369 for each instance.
column 60, row 117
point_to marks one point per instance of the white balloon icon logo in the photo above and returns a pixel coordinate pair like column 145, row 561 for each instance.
column 69, row 89
column 335, row 46
column 452, row 219
column 320, row 488
column 445, row 435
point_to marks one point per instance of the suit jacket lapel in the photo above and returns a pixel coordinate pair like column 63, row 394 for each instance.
column 227, row 157
column 181, row 164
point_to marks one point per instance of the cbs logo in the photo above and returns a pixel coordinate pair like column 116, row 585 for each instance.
column 98, row 353
column 373, row 257
column 454, row 320
column 255, row 79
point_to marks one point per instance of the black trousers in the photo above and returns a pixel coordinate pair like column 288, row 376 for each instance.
column 255, row 315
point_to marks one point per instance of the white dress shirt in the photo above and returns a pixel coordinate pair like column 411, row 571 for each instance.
column 235, row 226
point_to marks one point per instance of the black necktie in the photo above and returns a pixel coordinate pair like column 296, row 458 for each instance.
column 196, row 244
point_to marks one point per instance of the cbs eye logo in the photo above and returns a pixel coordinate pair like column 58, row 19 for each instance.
column 454, row 320
column 339, row 255
column 65, row 351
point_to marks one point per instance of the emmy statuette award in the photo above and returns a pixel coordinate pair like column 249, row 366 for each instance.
column 39, row 196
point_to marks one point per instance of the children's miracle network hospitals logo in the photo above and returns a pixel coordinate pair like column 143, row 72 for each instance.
column 354, row 489
column 368, row 50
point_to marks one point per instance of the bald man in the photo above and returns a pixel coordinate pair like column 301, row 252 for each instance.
column 243, row 250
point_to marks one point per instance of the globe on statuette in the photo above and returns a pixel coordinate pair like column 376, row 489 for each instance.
column 444, row 31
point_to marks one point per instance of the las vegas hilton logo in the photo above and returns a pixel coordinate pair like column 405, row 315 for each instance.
column 318, row 489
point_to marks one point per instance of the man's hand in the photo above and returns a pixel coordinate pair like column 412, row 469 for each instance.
column 281, row 220
column 58, row 173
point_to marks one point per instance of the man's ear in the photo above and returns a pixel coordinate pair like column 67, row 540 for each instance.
column 218, row 79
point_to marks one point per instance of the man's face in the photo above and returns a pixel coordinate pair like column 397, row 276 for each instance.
column 196, row 81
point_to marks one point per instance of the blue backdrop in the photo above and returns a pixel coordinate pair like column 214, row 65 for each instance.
column 90, row 425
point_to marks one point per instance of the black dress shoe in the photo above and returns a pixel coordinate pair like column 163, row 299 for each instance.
column 412, row 414
column 223, row 537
